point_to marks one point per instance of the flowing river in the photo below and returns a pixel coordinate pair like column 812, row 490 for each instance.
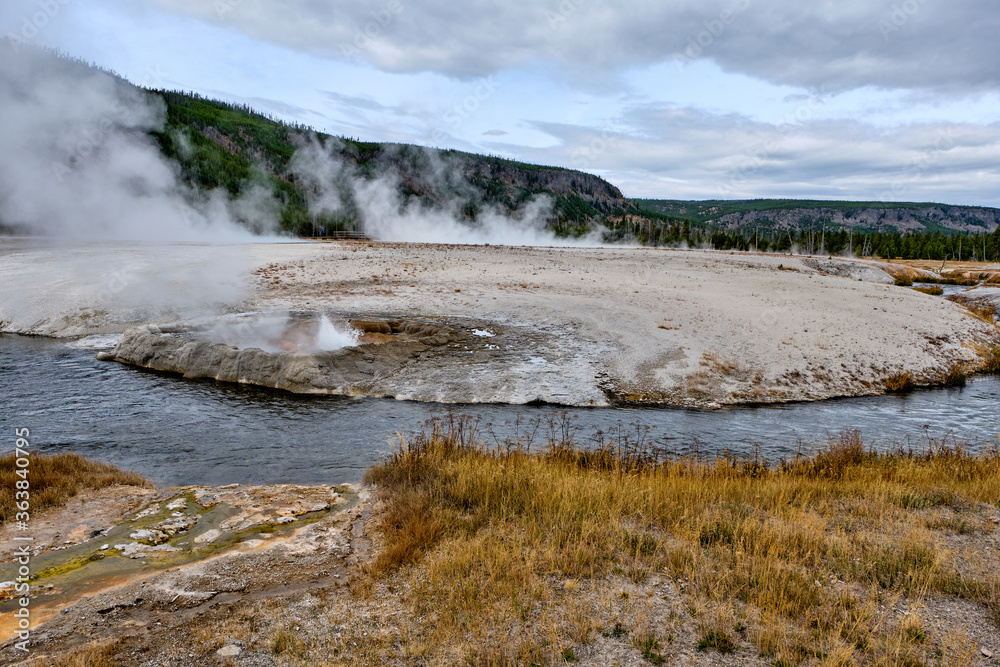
column 178, row 431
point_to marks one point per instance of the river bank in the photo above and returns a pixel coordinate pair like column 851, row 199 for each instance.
column 575, row 326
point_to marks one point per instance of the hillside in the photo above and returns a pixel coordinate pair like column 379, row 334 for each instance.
column 220, row 145
column 770, row 215
column 180, row 152
column 258, row 168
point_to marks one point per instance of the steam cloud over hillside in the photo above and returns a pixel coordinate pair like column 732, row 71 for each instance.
column 336, row 188
column 79, row 160
column 76, row 160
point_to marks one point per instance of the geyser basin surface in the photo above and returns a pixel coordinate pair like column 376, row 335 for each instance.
column 654, row 327
column 425, row 359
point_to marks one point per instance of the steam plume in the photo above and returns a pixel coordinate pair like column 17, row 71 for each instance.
column 336, row 188
column 76, row 160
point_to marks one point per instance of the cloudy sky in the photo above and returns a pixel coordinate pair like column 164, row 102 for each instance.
column 688, row 99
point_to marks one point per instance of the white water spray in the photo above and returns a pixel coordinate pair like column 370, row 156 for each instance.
column 330, row 337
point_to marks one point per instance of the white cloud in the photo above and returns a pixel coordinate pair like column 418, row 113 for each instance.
column 842, row 45
column 689, row 153
column 613, row 89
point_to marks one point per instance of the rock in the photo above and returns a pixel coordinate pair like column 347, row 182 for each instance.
column 178, row 504
column 149, row 511
column 250, row 545
column 105, row 547
column 79, row 534
column 175, row 525
column 853, row 270
column 140, row 550
column 185, row 348
column 286, row 519
column 149, row 535
column 986, row 652
column 8, row 590
column 207, row 498
column 208, row 536
column 230, row 651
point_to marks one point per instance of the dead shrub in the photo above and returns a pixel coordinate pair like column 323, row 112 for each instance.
column 899, row 382
column 955, row 376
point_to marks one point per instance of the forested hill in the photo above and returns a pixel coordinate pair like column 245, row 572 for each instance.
column 770, row 215
column 221, row 145
column 275, row 166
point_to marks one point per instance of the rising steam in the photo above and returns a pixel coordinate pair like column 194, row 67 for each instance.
column 282, row 332
column 78, row 167
column 336, row 188
column 77, row 161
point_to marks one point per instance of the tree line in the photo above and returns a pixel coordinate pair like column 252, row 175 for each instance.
column 932, row 245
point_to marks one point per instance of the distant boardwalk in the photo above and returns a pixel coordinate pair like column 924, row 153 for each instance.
column 361, row 236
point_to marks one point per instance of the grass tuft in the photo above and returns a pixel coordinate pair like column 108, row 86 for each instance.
column 991, row 363
column 955, row 376
column 900, row 382
column 56, row 478
column 100, row 653
column 287, row 643
column 715, row 639
column 649, row 646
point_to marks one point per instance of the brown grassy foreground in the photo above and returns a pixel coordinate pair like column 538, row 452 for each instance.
column 539, row 552
column 507, row 557
column 56, row 478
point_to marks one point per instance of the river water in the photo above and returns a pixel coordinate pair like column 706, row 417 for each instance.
column 178, row 431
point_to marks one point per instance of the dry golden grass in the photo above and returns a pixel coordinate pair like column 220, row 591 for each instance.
column 950, row 265
column 991, row 361
column 289, row 643
column 511, row 557
column 983, row 311
column 717, row 363
column 56, row 478
column 933, row 291
column 955, row 375
column 96, row 654
column 900, row 382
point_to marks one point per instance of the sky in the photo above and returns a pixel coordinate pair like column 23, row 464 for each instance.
column 686, row 99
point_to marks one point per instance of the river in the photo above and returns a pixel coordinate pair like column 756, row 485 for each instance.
column 178, row 431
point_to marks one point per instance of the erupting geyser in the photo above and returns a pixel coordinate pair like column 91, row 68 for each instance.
column 305, row 353
column 331, row 337
column 286, row 332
